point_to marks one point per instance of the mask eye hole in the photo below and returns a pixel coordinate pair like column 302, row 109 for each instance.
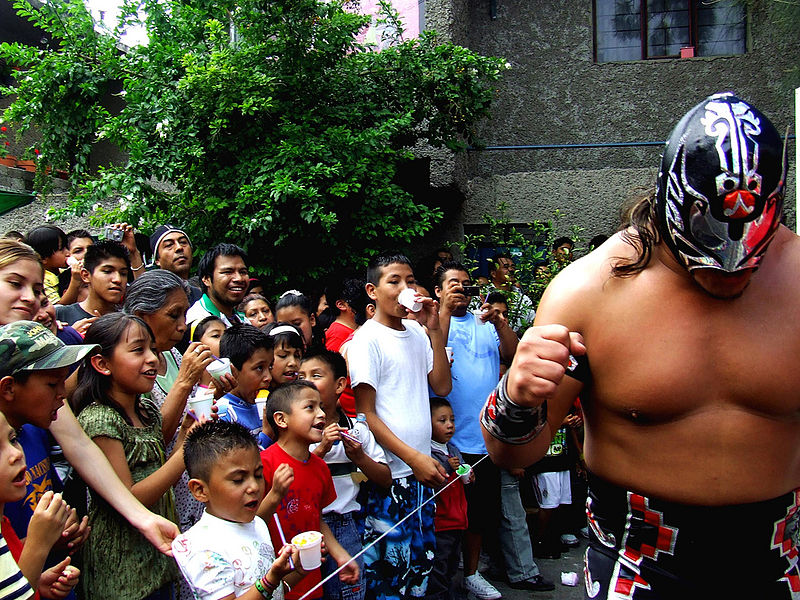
column 729, row 184
column 752, row 185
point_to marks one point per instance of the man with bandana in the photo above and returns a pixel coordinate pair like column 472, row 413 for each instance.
column 680, row 336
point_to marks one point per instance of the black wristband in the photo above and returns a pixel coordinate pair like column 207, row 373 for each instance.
column 578, row 368
column 509, row 422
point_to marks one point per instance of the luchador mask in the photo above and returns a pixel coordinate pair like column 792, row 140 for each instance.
column 719, row 197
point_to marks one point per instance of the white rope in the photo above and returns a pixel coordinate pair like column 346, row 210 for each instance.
column 387, row 532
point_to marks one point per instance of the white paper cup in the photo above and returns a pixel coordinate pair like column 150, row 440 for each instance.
column 570, row 579
column 219, row 367
column 407, row 299
column 464, row 471
column 201, row 404
column 449, row 351
column 478, row 314
column 310, row 545
column 260, row 404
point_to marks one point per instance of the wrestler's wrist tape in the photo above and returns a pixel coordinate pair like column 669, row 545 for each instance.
column 514, row 424
column 511, row 423
column 578, row 368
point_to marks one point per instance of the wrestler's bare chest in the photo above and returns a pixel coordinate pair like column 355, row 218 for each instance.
column 660, row 351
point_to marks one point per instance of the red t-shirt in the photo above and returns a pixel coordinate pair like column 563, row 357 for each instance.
column 451, row 507
column 301, row 507
column 336, row 335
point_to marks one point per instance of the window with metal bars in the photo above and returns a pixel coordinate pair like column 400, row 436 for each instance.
column 645, row 29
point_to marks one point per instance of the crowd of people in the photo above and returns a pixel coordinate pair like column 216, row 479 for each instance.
column 140, row 332
column 357, row 418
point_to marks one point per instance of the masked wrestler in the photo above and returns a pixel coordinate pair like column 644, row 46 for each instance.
column 686, row 331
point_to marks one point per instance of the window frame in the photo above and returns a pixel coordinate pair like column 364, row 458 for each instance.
column 643, row 33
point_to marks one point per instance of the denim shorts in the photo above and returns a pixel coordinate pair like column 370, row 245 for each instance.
column 346, row 532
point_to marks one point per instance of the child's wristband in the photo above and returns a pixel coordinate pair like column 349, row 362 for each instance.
column 264, row 587
column 267, row 595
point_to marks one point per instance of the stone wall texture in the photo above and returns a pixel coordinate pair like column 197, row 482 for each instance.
column 554, row 94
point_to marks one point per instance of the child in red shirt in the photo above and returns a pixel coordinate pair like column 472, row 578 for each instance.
column 451, row 503
column 295, row 414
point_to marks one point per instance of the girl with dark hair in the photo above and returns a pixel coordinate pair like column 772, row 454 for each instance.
column 20, row 292
column 295, row 308
column 160, row 298
column 118, row 561
column 50, row 242
column 287, row 353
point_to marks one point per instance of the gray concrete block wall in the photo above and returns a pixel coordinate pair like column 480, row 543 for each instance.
column 530, row 196
column 556, row 94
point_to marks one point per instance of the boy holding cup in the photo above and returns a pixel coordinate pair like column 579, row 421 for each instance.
column 227, row 554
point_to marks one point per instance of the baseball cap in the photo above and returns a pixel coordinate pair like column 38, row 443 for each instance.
column 160, row 233
column 29, row 346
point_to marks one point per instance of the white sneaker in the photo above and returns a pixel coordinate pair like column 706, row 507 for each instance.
column 476, row 585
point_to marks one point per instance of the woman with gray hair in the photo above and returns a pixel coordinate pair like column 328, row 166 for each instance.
column 160, row 298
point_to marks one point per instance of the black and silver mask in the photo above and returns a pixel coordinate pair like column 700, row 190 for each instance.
column 719, row 197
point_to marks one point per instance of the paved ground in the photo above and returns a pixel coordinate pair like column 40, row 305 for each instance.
column 552, row 569
column 571, row 561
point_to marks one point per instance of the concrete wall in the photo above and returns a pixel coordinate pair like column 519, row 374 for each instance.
column 556, row 94
column 25, row 218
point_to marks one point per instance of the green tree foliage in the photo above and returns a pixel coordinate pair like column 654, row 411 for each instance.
column 278, row 129
column 530, row 246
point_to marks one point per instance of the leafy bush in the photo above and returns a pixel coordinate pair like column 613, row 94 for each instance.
column 277, row 130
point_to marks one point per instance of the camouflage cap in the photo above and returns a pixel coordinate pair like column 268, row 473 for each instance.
column 29, row 346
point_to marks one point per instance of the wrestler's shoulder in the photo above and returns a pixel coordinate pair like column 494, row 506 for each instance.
column 577, row 291
column 787, row 244
column 782, row 259
column 591, row 272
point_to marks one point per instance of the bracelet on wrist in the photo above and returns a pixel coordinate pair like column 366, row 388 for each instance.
column 270, row 586
column 139, row 268
column 509, row 422
column 265, row 593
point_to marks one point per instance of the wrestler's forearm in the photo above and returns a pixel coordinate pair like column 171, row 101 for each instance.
column 509, row 456
column 524, row 438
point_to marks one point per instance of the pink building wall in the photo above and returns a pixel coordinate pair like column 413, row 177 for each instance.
column 409, row 11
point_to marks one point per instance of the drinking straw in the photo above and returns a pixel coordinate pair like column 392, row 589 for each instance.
column 283, row 537
column 349, row 437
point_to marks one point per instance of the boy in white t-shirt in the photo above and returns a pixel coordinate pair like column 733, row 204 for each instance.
column 227, row 554
column 349, row 461
column 393, row 360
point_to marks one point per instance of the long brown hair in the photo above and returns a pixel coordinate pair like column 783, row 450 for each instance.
column 639, row 230
column 12, row 251
column 93, row 386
